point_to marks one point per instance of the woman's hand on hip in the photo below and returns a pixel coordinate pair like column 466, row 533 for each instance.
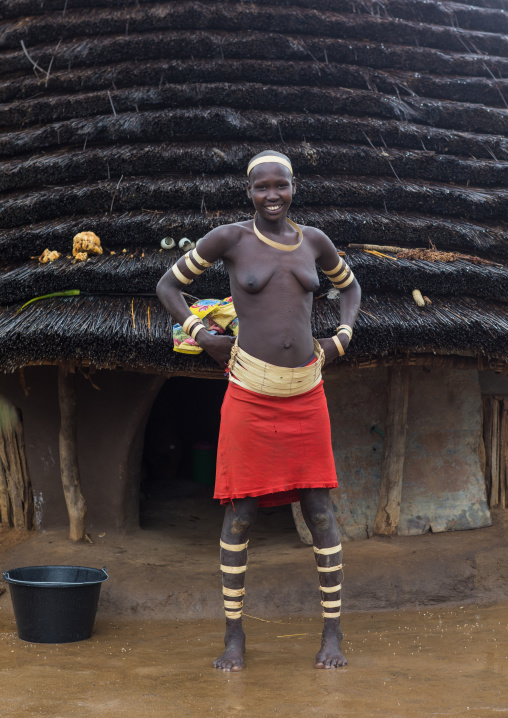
column 329, row 348
column 219, row 347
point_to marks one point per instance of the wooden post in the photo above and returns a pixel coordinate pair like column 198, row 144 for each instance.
column 487, row 442
column 76, row 504
column 503, row 474
column 16, row 500
column 494, row 492
column 394, row 446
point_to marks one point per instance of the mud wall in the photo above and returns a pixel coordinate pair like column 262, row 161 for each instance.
column 492, row 383
column 443, row 485
column 111, row 423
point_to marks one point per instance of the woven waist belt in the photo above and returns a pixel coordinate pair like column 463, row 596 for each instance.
column 259, row 376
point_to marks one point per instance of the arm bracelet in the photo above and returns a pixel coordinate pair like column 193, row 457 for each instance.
column 339, row 346
column 192, row 319
column 345, row 329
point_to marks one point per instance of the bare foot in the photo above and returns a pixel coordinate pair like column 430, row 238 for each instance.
column 330, row 655
column 232, row 658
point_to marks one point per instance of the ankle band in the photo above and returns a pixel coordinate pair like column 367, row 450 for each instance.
column 233, row 614
column 326, row 614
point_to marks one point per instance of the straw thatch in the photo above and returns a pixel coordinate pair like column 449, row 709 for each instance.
column 135, row 332
column 135, row 120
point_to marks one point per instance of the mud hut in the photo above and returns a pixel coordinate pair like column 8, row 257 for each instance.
column 135, row 120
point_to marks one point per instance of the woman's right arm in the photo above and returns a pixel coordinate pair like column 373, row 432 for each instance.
column 170, row 287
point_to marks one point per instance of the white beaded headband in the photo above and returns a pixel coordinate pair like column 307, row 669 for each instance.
column 269, row 158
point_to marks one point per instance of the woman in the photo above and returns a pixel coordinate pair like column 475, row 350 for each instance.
column 275, row 443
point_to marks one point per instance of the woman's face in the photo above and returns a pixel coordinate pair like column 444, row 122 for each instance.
column 271, row 188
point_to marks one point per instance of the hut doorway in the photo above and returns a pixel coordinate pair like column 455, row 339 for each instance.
column 181, row 440
column 179, row 454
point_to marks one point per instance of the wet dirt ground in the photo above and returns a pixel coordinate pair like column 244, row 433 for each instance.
column 170, row 569
column 442, row 662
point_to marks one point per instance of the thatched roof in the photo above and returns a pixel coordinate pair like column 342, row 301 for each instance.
column 136, row 120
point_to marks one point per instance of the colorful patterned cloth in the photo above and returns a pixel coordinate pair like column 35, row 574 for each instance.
column 216, row 314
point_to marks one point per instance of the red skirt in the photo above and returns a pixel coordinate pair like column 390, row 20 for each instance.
column 271, row 446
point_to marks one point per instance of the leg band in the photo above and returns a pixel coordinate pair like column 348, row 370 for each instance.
column 326, row 604
column 328, row 551
column 233, row 546
column 233, row 614
column 232, row 592
column 330, row 589
column 233, row 569
column 331, row 604
column 233, row 604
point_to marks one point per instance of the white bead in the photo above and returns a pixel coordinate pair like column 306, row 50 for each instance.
column 185, row 244
column 167, row 243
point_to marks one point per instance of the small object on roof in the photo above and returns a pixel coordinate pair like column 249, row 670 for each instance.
column 80, row 257
column 379, row 254
column 86, row 243
column 167, row 243
column 417, row 296
column 49, row 256
column 427, row 300
column 186, row 244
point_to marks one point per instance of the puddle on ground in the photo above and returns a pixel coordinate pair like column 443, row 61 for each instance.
column 438, row 662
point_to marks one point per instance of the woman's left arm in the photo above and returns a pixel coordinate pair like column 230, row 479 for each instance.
column 343, row 279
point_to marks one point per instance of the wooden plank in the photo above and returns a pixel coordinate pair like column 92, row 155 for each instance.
column 487, row 442
column 5, row 501
column 8, row 459
column 494, row 494
column 394, row 446
column 68, row 443
column 503, row 454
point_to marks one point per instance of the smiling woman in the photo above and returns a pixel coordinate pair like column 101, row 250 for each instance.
column 275, row 442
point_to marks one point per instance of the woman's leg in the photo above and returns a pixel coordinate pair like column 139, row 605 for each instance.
column 319, row 516
column 238, row 521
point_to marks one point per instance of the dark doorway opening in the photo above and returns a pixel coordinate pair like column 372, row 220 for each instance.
column 179, row 461
column 181, row 439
